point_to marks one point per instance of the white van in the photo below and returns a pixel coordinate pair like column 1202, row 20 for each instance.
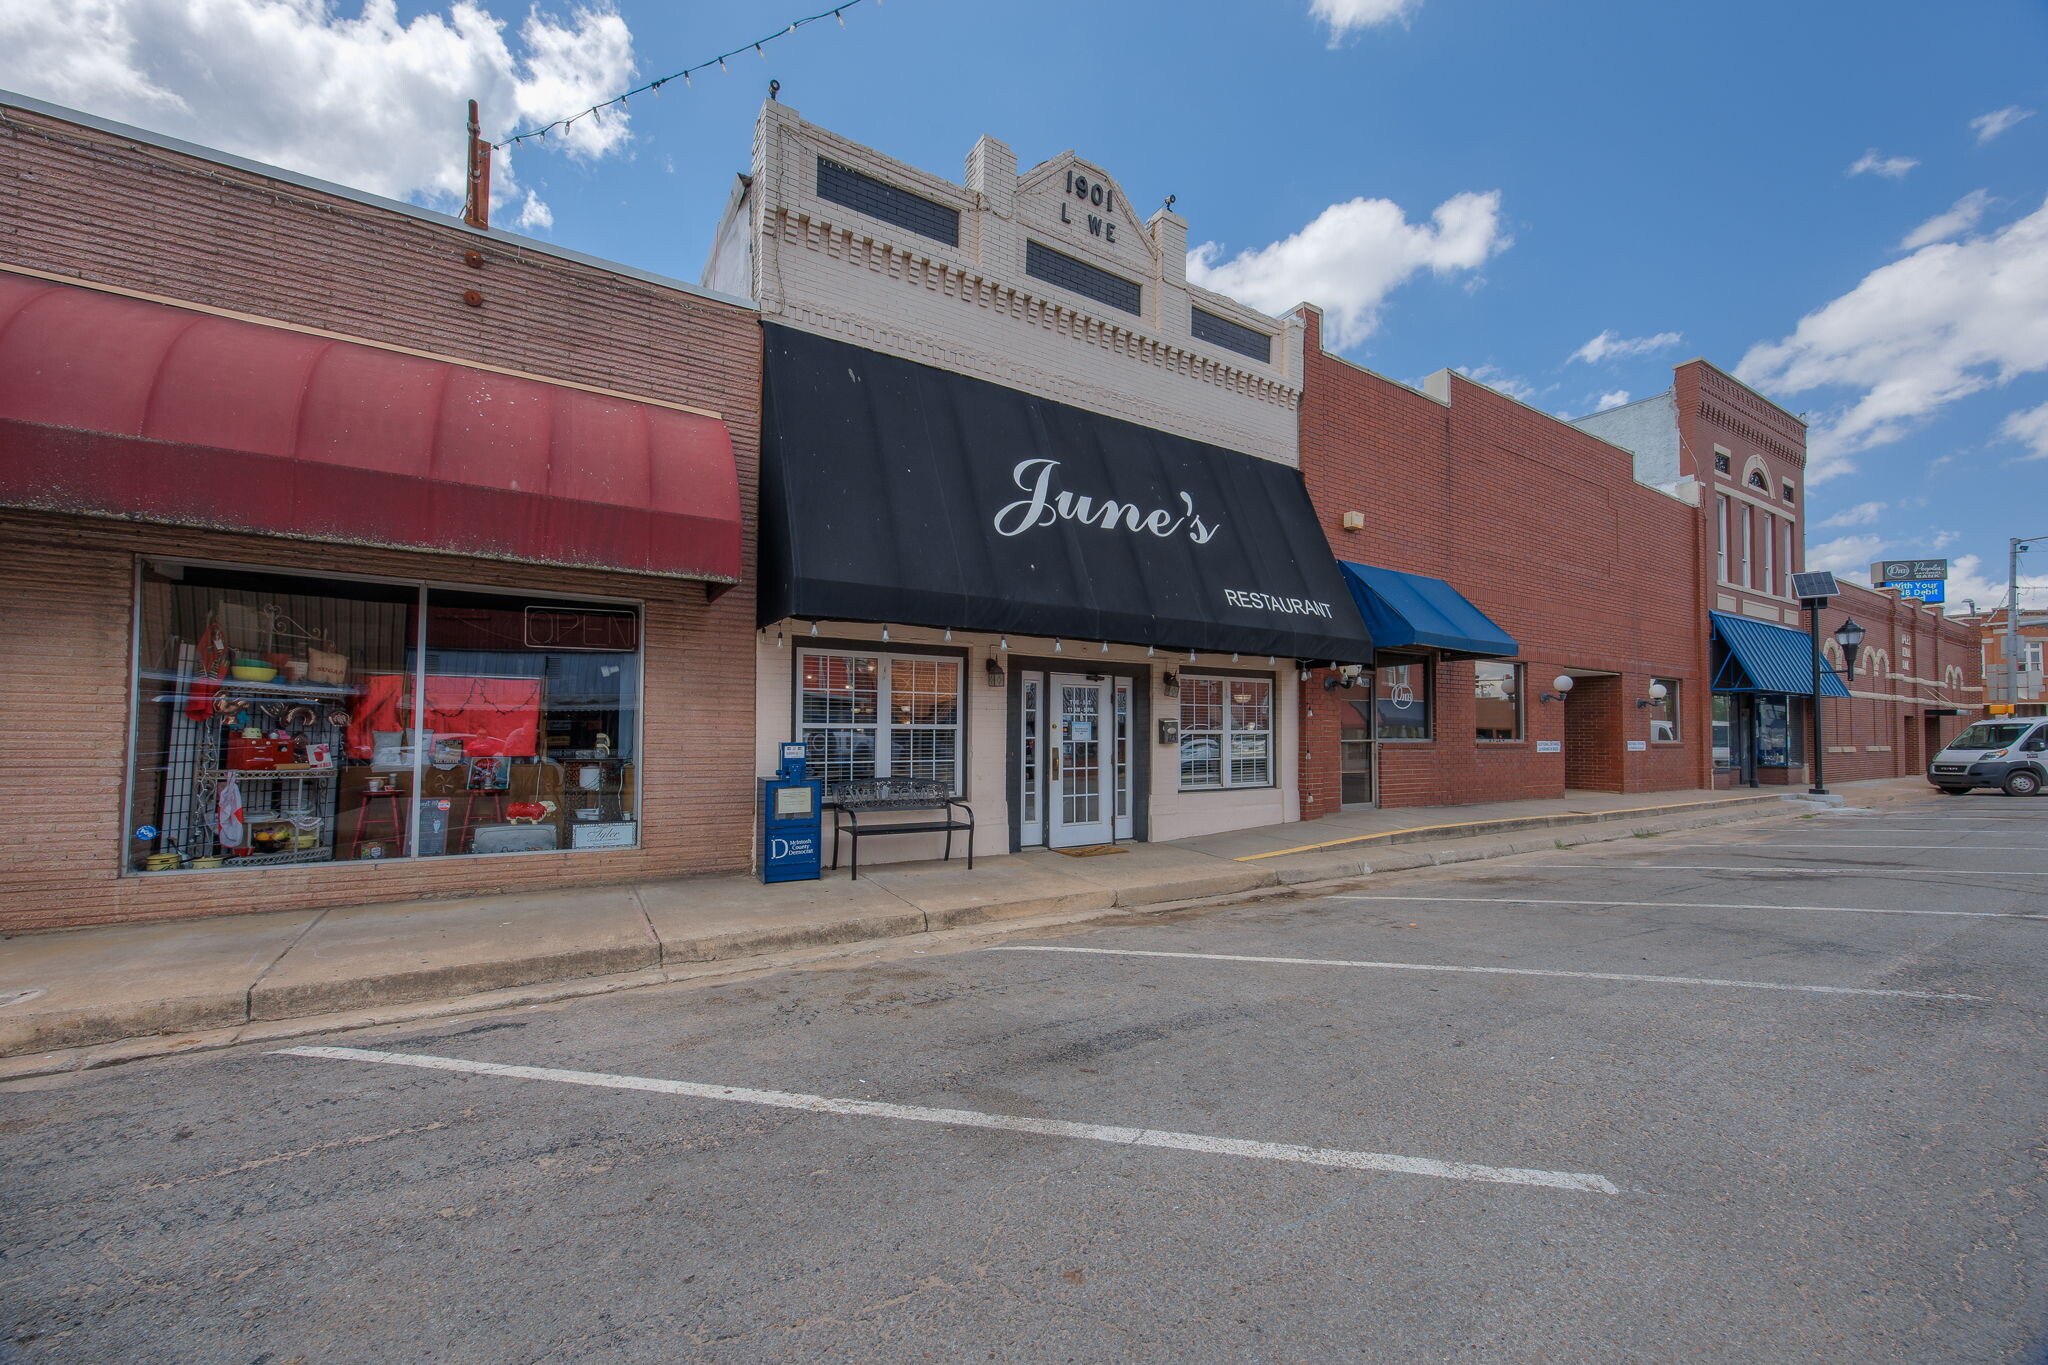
column 2009, row 753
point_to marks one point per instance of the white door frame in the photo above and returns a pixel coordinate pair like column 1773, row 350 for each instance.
column 1061, row 748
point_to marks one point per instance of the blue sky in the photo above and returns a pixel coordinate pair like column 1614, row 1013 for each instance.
column 1796, row 191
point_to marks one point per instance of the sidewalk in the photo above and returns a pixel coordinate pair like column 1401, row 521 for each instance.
column 90, row 997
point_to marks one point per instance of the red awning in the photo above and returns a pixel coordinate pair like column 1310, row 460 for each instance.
column 113, row 406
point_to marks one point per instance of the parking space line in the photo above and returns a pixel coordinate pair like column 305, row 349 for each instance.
column 970, row 1118
column 1846, row 848
column 1773, row 871
column 1694, row 905
column 1484, row 971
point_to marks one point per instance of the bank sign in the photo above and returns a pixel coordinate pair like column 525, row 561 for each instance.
column 1926, row 579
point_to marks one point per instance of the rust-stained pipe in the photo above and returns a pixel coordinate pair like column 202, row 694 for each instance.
column 476, row 200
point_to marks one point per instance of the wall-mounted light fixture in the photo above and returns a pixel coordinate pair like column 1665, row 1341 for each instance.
column 995, row 672
column 1170, row 680
column 1354, row 521
column 1562, row 682
column 1658, row 692
column 1347, row 676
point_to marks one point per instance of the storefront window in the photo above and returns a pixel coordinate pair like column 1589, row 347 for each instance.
column 1496, row 700
column 1773, row 733
column 851, row 736
column 1664, row 712
column 1401, row 700
column 1724, row 742
column 531, row 708
column 1226, row 732
column 282, row 719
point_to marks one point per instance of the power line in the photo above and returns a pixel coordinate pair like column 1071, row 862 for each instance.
column 836, row 12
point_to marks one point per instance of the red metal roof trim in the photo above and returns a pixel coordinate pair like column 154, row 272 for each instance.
column 112, row 406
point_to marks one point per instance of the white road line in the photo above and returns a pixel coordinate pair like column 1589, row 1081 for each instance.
column 1694, row 905
column 970, row 1118
column 1487, row 971
column 1850, row 848
column 1775, row 871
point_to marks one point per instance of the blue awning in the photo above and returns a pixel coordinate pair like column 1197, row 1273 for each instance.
column 1410, row 609
column 1758, row 657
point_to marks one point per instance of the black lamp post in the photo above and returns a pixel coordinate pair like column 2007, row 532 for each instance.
column 1849, row 636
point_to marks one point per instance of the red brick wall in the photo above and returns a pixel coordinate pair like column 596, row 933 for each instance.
column 93, row 207
column 1908, row 652
column 1545, row 529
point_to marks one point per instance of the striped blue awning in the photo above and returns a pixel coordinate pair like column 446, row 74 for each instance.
column 1754, row 656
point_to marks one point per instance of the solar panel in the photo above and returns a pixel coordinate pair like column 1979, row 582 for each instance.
column 1806, row 585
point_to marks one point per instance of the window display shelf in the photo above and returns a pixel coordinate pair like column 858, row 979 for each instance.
column 279, row 774
column 297, row 855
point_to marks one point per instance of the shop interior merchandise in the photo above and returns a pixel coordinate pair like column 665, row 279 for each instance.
column 282, row 720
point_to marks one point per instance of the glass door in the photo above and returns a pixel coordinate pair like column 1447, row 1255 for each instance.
column 1357, row 745
column 1080, row 771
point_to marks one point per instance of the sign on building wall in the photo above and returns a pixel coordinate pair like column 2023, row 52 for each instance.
column 1889, row 571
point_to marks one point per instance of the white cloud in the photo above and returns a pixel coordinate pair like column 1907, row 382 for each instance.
column 369, row 102
column 534, row 215
column 1345, row 16
column 1615, row 399
column 1947, row 321
column 1988, row 126
column 1960, row 218
column 1943, row 539
column 1890, row 167
column 2029, row 428
column 1352, row 256
column 1609, row 346
column 1862, row 514
column 1499, row 380
column 1848, row 556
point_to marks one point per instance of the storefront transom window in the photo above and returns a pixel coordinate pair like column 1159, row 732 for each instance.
column 286, row 719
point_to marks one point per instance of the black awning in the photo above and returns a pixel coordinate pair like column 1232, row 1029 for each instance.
column 896, row 492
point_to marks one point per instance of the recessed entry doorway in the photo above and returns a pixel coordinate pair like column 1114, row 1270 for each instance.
column 1593, row 739
column 1074, row 759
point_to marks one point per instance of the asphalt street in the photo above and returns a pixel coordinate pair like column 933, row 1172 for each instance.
column 1769, row 1092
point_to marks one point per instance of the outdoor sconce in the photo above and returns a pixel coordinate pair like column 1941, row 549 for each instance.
column 1849, row 636
column 995, row 672
column 1347, row 676
column 1562, row 682
column 1171, row 681
column 1658, row 692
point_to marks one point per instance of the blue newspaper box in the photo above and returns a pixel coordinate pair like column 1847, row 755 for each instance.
column 790, row 816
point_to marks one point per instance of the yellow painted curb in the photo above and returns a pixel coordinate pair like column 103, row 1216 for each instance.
column 1474, row 825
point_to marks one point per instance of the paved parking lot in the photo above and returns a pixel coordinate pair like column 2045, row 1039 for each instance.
column 1771, row 1092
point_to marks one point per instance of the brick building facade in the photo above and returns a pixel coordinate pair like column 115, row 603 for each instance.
column 1546, row 530
column 1919, row 680
column 110, row 217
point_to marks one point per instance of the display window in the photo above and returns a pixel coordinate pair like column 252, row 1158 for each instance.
column 1496, row 700
column 879, row 715
column 286, row 719
column 1401, row 699
column 1664, row 712
column 1226, row 732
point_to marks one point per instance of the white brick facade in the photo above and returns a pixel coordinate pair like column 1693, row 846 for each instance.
column 827, row 268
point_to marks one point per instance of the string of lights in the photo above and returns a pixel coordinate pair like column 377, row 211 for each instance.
column 836, row 12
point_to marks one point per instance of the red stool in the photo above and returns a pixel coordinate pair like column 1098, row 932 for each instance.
column 391, row 817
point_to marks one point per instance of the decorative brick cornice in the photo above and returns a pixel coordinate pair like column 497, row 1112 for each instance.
column 918, row 270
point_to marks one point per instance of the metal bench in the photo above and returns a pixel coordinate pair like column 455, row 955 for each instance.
column 885, row 796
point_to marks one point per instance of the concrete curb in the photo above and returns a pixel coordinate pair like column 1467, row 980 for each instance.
column 77, row 1040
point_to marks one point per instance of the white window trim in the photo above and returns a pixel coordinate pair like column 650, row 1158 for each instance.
column 884, row 724
column 1227, row 732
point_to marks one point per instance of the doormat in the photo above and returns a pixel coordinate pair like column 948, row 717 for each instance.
column 1091, row 850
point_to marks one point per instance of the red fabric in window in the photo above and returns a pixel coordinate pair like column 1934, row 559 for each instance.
column 493, row 717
